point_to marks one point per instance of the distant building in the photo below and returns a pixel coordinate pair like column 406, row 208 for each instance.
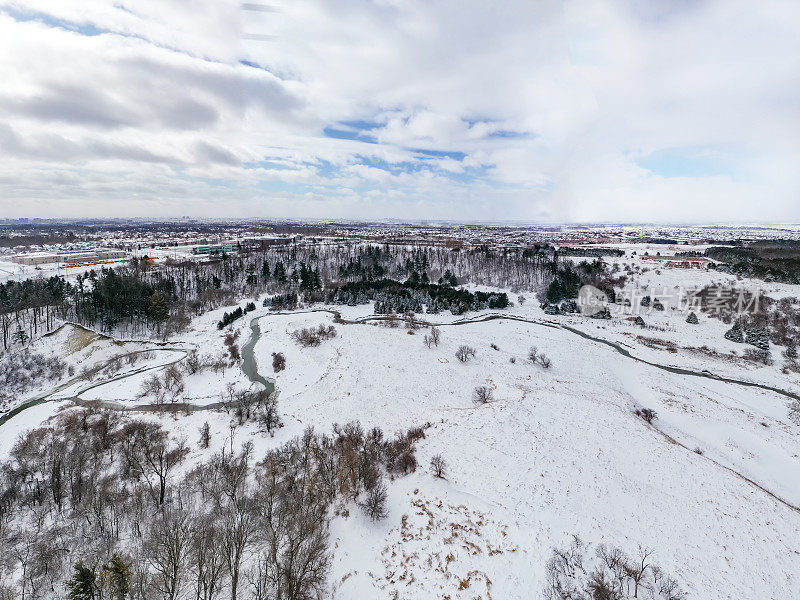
column 80, row 257
column 213, row 249
column 36, row 258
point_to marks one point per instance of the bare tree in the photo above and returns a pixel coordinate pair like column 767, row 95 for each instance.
column 205, row 435
column 150, row 455
column 438, row 466
column 464, row 353
column 167, row 548
column 208, row 562
column 638, row 569
column 374, row 506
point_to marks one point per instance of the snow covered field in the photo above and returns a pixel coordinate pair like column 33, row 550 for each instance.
column 712, row 484
column 559, row 451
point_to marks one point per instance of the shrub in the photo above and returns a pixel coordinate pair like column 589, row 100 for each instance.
column 758, row 356
column 794, row 412
column 278, row 362
column 482, row 395
column 192, row 363
column 572, row 573
column 535, row 357
column 648, row 414
column 464, row 353
column 374, row 506
column 313, row 336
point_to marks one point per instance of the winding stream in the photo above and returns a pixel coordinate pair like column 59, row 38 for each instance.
column 249, row 367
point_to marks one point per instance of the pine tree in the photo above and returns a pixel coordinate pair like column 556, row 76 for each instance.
column 83, row 585
column 159, row 309
column 280, row 272
column 735, row 334
column 117, row 573
column 692, row 319
column 21, row 337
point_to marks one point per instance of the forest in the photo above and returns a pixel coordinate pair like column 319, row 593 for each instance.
column 96, row 505
column 774, row 260
column 143, row 298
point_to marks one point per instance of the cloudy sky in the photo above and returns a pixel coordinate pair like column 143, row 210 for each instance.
column 534, row 110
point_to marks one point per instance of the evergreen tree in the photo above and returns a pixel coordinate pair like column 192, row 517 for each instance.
column 21, row 337
column 280, row 272
column 265, row 271
column 83, row 585
column 117, row 573
column 317, row 280
column 159, row 309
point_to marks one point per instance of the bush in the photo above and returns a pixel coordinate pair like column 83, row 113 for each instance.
column 572, row 573
column 374, row 506
column 278, row 362
column 313, row 336
column 758, row 356
column 22, row 370
column 648, row 414
column 482, row 395
column 464, row 353
column 538, row 358
column 794, row 412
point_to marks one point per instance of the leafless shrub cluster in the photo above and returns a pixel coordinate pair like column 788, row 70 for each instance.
column 411, row 322
column 537, row 357
column 573, row 573
column 193, row 363
column 757, row 356
column 464, row 353
column 794, row 412
column 22, row 370
column 278, row 362
column 433, row 338
column 648, row 414
column 95, row 503
column 230, row 344
column 482, row 395
column 168, row 387
column 311, row 336
column 253, row 405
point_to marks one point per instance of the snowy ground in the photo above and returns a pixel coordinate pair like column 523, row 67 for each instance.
column 558, row 452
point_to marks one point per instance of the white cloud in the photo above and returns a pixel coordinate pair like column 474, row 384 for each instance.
column 524, row 110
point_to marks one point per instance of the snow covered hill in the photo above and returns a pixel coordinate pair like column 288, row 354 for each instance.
column 712, row 484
